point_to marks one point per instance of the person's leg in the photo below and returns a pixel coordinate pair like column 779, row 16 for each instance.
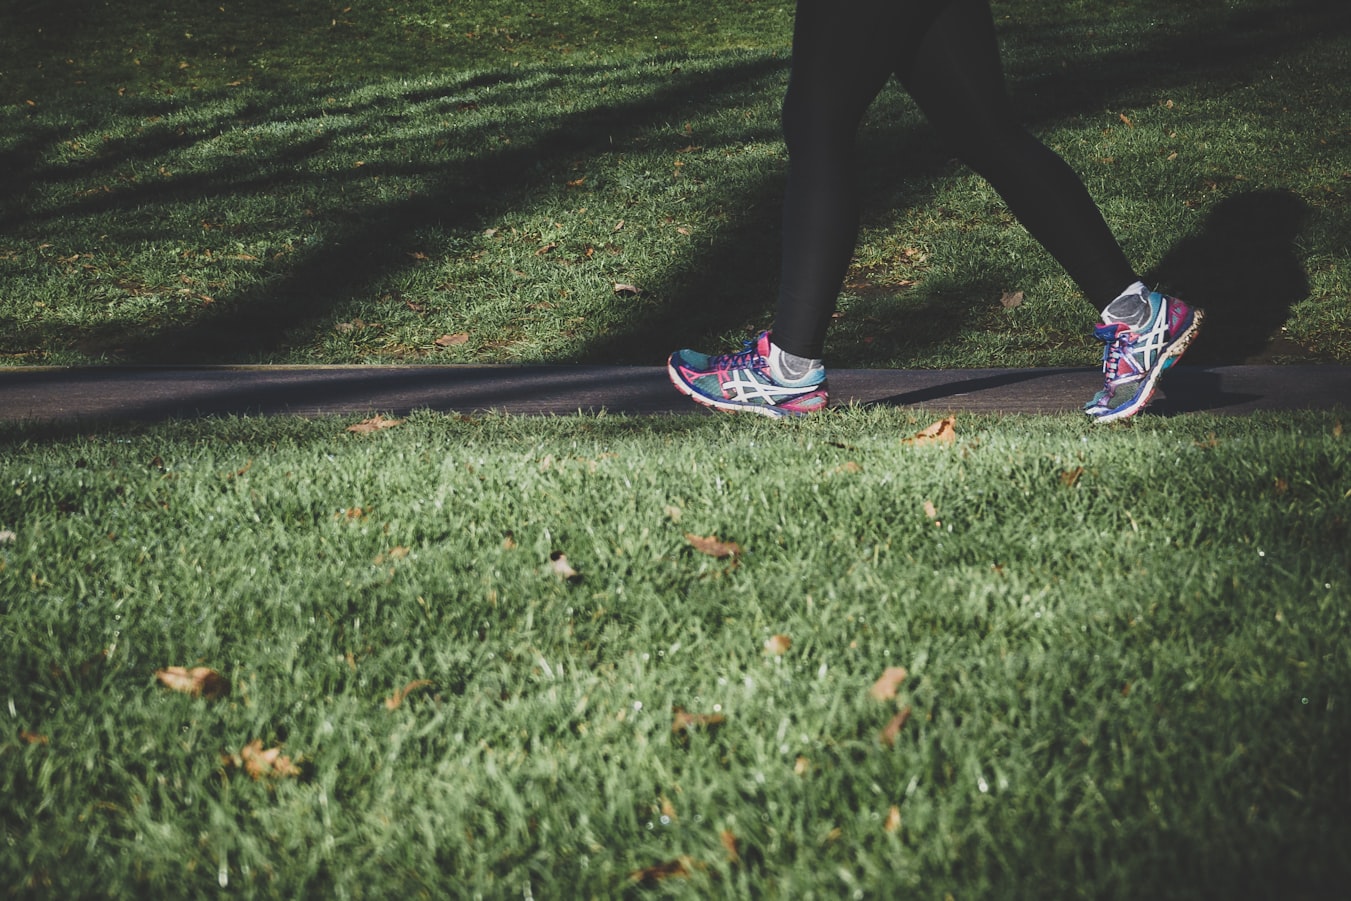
column 843, row 53
column 957, row 80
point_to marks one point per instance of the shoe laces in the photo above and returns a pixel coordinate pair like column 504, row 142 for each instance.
column 746, row 358
column 1118, row 347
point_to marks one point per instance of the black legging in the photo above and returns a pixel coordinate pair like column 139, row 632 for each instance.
column 944, row 53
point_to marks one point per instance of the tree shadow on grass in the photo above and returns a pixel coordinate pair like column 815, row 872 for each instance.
column 729, row 281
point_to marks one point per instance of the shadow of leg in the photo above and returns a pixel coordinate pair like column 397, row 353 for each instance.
column 1244, row 271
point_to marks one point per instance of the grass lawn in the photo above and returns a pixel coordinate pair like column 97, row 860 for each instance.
column 495, row 657
column 1126, row 649
column 286, row 181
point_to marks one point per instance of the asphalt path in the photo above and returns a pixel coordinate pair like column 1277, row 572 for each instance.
column 149, row 394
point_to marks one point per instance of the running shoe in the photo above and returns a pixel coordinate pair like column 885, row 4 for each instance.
column 1132, row 361
column 742, row 381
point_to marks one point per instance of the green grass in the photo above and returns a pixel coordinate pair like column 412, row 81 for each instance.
column 249, row 181
column 1127, row 650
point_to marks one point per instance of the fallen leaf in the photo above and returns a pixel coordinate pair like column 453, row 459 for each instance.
column 374, row 424
column 893, row 728
column 260, row 763
column 802, row 766
column 558, row 562
column 7, row 536
column 1126, row 120
column 547, row 248
column 394, row 701
column 893, row 820
column 626, row 290
column 942, row 432
column 778, row 645
column 1011, row 299
column 713, row 546
column 32, row 738
column 200, row 681
column 684, row 721
column 930, row 511
column 884, row 689
column 729, row 845
column 680, row 867
column 1070, row 477
column 394, row 553
column 849, row 467
column 454, row 340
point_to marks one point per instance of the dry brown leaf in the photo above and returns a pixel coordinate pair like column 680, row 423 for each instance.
column 802, row 766
column 260, row 763
column 626, row 290
column 680, row 867
column 684, row 721
column 778, row 645
column 547, row 248
column 453, row 340
column 729, row 845
column 893, row 820
column 1011, row 299
column 713, row 546
column 1070, row 477
column 930, row 511
column 394, row 701
column 32, row 738
column 884, row 689
column 942, row 432
column 892, row 729
column 374, row 424
column 200, row 681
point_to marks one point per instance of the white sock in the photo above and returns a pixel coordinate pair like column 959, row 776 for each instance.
column 1131, row 307
column 788, row 368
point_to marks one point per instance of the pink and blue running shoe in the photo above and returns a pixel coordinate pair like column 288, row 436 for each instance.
column 742, row 381
column 1132, row 361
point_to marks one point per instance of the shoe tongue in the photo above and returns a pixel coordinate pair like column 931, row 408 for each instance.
column 1108, row 331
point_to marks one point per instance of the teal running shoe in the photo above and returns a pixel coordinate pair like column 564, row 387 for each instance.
column 1132, row 361
column 742, row 382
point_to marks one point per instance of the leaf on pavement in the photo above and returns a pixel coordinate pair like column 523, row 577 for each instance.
column 200, row 681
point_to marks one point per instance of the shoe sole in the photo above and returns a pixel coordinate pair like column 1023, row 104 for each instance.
column 725, row 406
column 1146, row 392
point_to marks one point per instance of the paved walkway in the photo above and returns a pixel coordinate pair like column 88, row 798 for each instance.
column 157, row 393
